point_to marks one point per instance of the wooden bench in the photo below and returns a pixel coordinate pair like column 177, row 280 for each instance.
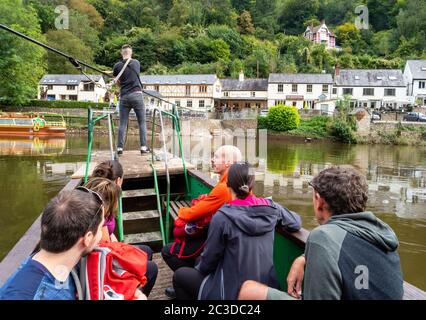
column 176, row 205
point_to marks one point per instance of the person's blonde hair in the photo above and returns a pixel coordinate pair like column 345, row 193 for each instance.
column 109, row 191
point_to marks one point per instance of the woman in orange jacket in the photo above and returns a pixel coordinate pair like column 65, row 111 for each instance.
column 223, row 158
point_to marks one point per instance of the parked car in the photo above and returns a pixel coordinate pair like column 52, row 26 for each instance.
column 415, row 116
column 263, row 113
column 376, row 116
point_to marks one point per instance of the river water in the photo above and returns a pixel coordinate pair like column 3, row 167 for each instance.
column 32, row 171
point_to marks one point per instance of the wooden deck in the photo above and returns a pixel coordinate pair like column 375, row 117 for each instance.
column 136, row 165
column 164, row 279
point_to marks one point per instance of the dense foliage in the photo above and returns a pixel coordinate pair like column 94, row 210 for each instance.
column 207, row 36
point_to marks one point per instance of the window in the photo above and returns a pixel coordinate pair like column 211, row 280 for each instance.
column 422, row 84
column 6, row 121
column 177, row 103
column 203, row 89
column 280, row 88
column 277, row 102
column 390, row 92
column 309, row 88
column 294, row 88
column 253, row 94
column 226, row 93
column 294, row 103
column 189, row 104
column 348, row 91
column 368, row 92
column 70, row 88
column 247, row 105
column 334, row 90
column 157, row 88
column 89, row 87
column 188, row 90
column 201, row 104
column 73, row 97
column 49, row 87
column 325, row 88
column 63, row 97
column 23, row 122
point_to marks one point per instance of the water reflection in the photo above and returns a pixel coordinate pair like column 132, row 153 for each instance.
column 31, row 146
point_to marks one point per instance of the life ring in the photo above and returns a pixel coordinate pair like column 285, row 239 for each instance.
column 36, row 127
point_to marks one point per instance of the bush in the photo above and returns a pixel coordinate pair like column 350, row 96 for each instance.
column 66, row 104
column 342, row 131
column 283, row 118
column 262, row 122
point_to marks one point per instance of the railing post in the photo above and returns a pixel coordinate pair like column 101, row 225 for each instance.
column 89, row 142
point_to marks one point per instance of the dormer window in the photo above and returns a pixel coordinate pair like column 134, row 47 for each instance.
column 392, row 78
column 356, row 77
column 423, row 68
column 380, row 78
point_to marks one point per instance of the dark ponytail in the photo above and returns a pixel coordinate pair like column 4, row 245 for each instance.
column 110, row 169
column 240, row 180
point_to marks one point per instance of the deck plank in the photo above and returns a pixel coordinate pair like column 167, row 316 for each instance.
column 136, row 165
column 164, row 279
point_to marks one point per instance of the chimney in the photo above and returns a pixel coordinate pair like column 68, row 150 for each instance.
column 322, row 22
column 241, row 77
column 337, row 70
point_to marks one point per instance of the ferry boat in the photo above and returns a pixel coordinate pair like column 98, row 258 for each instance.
column 32, row 124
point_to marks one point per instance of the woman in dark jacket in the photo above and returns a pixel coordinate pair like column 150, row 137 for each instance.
column 239, row 245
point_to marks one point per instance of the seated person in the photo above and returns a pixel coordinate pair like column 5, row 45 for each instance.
column 71, row 226
column 110, row 192
column 223, row 158
column 113, row 171
column 239, row 244
column 350, row 256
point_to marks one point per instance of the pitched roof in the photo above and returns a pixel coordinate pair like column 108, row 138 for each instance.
column 417, row 68
column 179, row 79
column 370, row 78
column 320, row 78
column 245, row 85
column 67, row 79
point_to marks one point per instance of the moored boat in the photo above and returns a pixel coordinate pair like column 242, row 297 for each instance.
column 32, row 124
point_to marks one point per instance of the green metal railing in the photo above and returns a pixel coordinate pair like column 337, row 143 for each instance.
column 176, row 129
column 91, row 122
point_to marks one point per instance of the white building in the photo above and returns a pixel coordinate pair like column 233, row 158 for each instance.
column 197, row 92
column 309, row 91
column 321, row 35
column 415, row 77
column 243, row 94
column 72, row 87
column 372, row 88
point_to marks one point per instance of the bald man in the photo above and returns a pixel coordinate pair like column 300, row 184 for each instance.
column 223, row 158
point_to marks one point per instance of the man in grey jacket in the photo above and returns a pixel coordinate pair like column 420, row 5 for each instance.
column 350, row 256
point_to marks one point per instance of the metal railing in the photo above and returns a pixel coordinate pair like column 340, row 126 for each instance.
column 90, row 125
column 176, row 129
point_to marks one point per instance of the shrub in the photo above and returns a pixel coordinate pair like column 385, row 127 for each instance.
column 262, row 122
column 342, row 131
column 283, row 118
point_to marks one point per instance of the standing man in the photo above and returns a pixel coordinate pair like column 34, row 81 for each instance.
column 127, row 72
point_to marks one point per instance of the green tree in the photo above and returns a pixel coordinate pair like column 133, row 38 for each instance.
column 412, row 23
column 350, row 36
column 245, row 24
column 65, row 41
column 294, row 13
column 21, row 63
column 382, row 14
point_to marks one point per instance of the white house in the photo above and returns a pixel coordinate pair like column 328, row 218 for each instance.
column 72, row 87
column 322, row 35
column 415, row 77
column 243, row 94
column 372, row 88
column 197, row 92
column 303, row 90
